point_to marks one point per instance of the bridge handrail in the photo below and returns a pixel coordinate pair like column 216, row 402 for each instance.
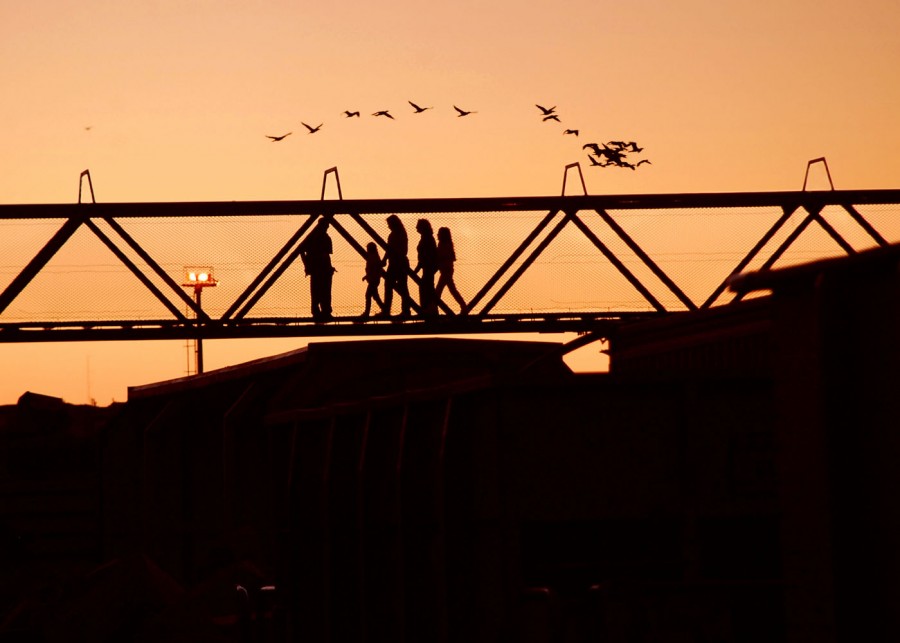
column 452, row 204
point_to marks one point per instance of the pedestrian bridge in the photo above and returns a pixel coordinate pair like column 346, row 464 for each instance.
column 585, row 264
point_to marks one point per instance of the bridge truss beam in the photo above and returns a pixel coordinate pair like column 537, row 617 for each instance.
column 657, row 290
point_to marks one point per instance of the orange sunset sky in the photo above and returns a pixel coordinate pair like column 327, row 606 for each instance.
column 172, row 100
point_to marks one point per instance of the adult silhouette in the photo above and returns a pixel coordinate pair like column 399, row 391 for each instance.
column 397, row 272
column 315, row 251
column 427, row 263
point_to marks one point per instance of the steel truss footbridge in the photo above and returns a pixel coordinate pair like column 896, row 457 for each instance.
column 582, row 264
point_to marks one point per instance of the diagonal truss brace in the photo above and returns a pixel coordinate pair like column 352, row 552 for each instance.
column 44, row 255
column 121, row 256
column 645, row 258
column 69, row 227
column 609, row 254
column 62, row 236
column 282, row 260
column 572, row 217
column 157, row 270
column 814, row 214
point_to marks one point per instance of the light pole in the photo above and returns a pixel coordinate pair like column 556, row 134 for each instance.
column 198, row 279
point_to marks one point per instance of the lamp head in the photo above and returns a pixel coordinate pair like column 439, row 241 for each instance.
column 198, row 277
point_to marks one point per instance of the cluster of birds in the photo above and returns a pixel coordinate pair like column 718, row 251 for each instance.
column 417, row 109
column 549, row 114
column 612, row 153
column 609, row 154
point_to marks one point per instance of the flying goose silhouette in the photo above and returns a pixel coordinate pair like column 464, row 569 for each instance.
column 546, row 110
column 462, row 112
column 571, row 131
column 350, row 114
column 275, row 139
column 312, row 130
column 383, row 112
column 418, row 109
column 551, row 117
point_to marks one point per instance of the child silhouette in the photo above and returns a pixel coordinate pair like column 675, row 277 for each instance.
column 446, row 256
column 372, row 277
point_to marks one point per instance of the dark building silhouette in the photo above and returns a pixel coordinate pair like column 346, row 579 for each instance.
column 732, row 478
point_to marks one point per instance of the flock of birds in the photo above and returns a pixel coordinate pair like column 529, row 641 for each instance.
column 614, row 154
column 417, row 109
column 609, row 154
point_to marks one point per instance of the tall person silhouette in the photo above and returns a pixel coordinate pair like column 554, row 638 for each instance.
column 315, row 251
column 426, row 252
column 397, row 272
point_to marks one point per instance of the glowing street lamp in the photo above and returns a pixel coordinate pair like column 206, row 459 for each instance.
column 198, row 278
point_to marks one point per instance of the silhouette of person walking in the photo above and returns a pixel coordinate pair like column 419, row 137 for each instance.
column 397, row 271
column 315, row 251
column 446, row 257
column 372, row 277
column 426, row 252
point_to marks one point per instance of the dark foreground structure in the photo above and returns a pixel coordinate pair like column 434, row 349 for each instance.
column 732, row 478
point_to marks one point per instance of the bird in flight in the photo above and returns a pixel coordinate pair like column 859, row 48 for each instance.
column 642, row 161
column 350, row 114
column 462, row 112
column 275, row 139
column 592, row 146
column 551, row 117
column 383, row 112
column 571, row 131
column 634, row 148
column 418, row 109
column 312, row 130
column 546, row 110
